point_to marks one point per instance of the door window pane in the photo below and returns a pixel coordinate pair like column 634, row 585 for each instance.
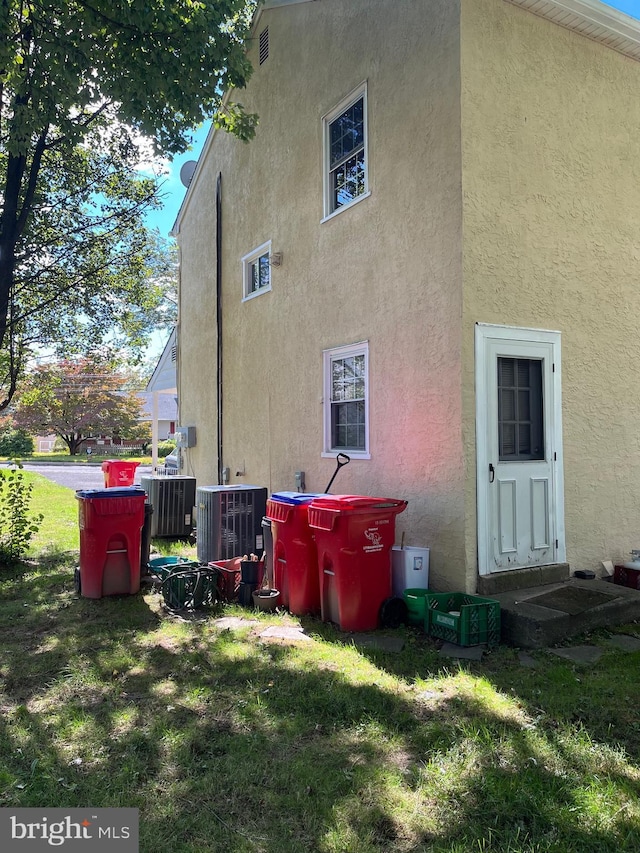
column 520, row 409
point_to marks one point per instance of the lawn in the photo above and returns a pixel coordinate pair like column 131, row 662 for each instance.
column 227, row 742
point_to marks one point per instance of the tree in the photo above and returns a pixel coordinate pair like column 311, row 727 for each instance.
column 82, row 82
column 15, row 443
column 76, row 401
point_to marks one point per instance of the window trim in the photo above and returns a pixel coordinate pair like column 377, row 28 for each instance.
column 328, row 355
column 247, row 262
column 327, row 119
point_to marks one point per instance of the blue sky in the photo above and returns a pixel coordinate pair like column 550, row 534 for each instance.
column 172, row 188
column 631, row 7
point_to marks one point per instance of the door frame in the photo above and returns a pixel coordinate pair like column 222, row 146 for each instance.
column 485, row 332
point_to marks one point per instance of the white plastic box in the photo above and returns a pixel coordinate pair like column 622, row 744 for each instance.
column 410, row 568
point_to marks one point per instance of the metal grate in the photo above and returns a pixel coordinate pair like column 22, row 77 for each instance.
column 229, row 521
column 263, row 52
column 173, row 500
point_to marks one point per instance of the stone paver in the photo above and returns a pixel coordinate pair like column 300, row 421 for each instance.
column 451, row 650
column 583, row 655
column 527, row 660
column 624, row 642
column 377, row 641
column 234, row 623
column 290, row 633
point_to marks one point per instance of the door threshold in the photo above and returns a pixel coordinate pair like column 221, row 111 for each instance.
column 498, row 582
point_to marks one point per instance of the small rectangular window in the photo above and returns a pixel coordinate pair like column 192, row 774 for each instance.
column 256, row 271
column 345, row 141
column 346, row 403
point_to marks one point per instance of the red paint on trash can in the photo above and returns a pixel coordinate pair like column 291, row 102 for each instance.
column 117, row 472
column 111, row 522
column 354, row 535
column 295, row 557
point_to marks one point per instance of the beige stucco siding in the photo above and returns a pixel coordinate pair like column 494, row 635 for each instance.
column 387, row 271
column 551, row 218
column 197, row 330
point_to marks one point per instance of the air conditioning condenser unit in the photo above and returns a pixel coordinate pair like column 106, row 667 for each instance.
column 229, row 521
column 173, row 501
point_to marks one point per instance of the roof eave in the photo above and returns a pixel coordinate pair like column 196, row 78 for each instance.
column 591, row 18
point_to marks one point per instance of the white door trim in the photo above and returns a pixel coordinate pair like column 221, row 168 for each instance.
column 484, row 332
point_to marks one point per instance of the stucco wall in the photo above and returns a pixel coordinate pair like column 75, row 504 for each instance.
column 551, row 167
column 388, row 270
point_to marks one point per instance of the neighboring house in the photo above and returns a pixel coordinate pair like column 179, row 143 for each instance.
column 162, row 395
column 429, row 259
column 167, row 413
column 44, row 443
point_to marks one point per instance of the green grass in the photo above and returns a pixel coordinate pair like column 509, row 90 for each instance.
column 82, row 458
column 228, row 743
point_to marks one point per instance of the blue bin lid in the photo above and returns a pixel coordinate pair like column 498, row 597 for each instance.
column 295, row 498
column 120, row 492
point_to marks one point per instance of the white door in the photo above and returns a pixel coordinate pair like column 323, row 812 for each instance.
column 518, row 443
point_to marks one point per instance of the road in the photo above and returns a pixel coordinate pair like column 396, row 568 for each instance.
column 78, row 476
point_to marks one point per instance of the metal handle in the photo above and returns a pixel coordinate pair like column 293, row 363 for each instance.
column 341, row 459
column 492, row 473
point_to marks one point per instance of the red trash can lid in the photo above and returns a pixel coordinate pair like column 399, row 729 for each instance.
column 347, row 503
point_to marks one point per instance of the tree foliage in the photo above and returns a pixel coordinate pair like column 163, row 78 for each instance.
column 77, row 400
column 15, row 443
column 17, row 526
column 81, row 85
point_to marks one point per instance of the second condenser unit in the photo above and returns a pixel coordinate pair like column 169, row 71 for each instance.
column 229, row 521
column 173, row 500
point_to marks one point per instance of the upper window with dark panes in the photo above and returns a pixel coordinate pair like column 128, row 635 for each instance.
column 346, row 153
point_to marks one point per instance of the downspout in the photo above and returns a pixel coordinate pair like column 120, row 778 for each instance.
column 219, row 317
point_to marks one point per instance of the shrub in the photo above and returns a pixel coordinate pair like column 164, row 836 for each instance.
column 15, row 443
column 16, row 527
column 165, row 448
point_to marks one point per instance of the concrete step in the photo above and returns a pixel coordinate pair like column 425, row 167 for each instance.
column 540, row 616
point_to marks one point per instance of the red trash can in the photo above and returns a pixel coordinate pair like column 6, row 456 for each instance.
column 117, row 472
column 111, row 522
column 295, row 558
column 354, row 535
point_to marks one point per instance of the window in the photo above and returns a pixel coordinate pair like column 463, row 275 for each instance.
column 346, row 400
column 345, row 144
column 256, row 271
column 520, row 409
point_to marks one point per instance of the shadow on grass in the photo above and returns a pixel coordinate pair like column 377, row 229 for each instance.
column 226, row 743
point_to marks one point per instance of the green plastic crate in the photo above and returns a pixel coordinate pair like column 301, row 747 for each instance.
column 474, row 620
column 415, row 599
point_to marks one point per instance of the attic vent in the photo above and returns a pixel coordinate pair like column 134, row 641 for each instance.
column 174, row 353
column 263, row 52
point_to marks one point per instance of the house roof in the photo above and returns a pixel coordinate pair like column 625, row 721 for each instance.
column 591, row 18
column 164, row 377
column 167, row 406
